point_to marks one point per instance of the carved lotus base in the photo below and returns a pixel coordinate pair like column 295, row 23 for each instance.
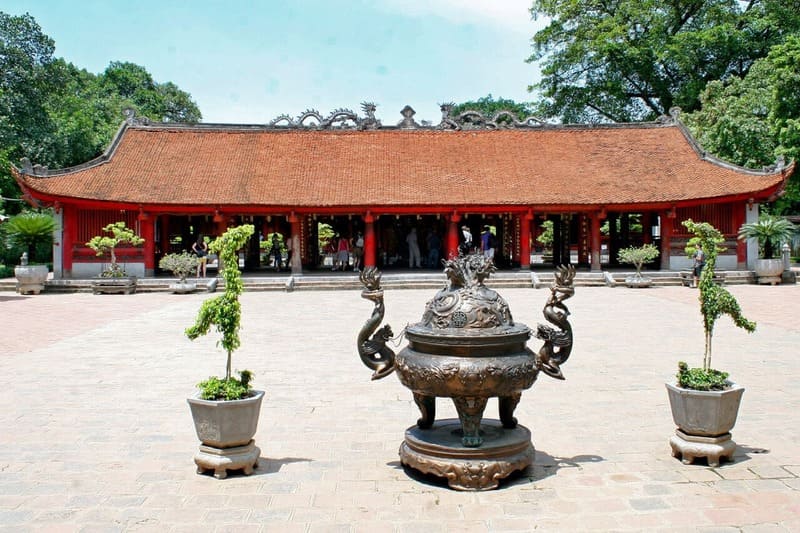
column 691, row 447
column 220, row 460
column 439, row 451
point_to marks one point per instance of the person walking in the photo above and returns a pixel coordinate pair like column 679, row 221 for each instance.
column 487, row 243
column 434, row 246
column 466, row 241
column 414, row 257
column 358, row 251
column 200, row 249
column 275, row 251
column 342, row 254
column 699, row 258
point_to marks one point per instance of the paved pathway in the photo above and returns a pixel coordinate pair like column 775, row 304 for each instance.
column 96, row 434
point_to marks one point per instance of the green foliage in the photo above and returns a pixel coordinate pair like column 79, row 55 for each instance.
column 224, row 311
column 771, row 232
column 118, row 233
column 752, row 120
column 59, row 115
column 714, row 300
column 634, row 59
column 325, row 235
column 6, row 272
column 181, row 265
column 638, row 256
column 29, row 229
column 547, row 236
column 700, row 379
column 231, row 388
column 488, row 106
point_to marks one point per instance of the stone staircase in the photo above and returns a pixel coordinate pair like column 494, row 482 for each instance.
column 396, row 280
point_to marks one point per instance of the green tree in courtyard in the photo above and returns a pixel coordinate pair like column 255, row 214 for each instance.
column 59, row 115
column 489, row 106
column 752, row 120
column 626, row 60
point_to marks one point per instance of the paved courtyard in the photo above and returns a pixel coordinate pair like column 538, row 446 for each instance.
column 97, row 436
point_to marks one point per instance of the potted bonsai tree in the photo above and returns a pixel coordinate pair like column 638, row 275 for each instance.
column 771, row 232
column 29, row 230
column 114, row 279
column 704, row 402
column 225, row 411
column 546, row 240
column 181, row 265
column 638, row 256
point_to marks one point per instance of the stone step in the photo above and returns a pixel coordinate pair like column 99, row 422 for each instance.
column 392, row 280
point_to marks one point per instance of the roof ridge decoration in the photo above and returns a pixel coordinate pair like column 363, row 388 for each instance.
column 347, row 119
column 471, row 119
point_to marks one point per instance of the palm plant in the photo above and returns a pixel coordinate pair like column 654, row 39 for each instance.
column 30, row 229
column 770, row 231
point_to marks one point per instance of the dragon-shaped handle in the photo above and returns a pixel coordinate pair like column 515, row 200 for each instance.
column 557, row 342
column 373, row 350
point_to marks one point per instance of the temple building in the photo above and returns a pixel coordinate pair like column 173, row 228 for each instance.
column 603, row 187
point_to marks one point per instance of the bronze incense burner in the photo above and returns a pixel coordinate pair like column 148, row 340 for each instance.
column 467, row 347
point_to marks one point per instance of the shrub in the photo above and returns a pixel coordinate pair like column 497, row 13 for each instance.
column 107, row 244
column 181, row 265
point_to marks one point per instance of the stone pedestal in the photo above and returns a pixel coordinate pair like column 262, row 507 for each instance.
column 691, row 447
column 440, row 451
column 220, row 460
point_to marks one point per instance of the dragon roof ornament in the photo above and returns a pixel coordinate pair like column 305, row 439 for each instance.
column 347, row 119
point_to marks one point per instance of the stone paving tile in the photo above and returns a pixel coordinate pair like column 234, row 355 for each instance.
column 100, row 438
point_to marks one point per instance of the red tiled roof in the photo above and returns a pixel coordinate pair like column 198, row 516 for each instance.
column 647, row 163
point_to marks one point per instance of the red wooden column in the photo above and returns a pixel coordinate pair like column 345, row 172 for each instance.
column 148, row 233
column 452, row 235
column 739, row 215
column 525, row 240
column 594, row 239
column 68, row 235
column 369, row 240
column 297, row 260
column 667, row 224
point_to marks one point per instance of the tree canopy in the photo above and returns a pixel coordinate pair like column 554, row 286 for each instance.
column 59, row 115
column 627, row 60
column 489, row 106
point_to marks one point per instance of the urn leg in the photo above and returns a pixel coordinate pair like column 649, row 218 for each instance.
column 427, row 406
column 507, row 405
column 470, row 412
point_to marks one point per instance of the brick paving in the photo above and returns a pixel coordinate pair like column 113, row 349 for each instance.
column 96, row 434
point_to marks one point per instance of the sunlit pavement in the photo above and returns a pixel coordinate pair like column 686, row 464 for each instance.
column 97, row 436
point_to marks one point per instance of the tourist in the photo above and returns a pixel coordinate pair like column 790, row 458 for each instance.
column 342, row 259
column 699, row 262
column 414, row 257
column 358, row 252
column 275, row 251
column 487, row 243
column 200, row 249
column 466, row 241
column 434, row 245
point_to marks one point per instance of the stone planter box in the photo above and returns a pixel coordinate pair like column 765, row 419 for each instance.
column 769, row 271
column 30, row 278
column 126, row 285
column 705, row 413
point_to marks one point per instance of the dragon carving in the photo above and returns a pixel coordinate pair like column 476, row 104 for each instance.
column 373, row 350
column 557, row 342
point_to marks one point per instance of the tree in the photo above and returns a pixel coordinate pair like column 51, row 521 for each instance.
column 488, row 107
column 163, row 102
column 59, row 115
column 752, row 120
column 628, row 60
column 25, row 53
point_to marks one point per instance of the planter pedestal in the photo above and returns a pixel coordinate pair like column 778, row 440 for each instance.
column 691, row 447
column 769, row 271
column 126, row 285
column 439, row 451
column 30, row 278
column 220, row 460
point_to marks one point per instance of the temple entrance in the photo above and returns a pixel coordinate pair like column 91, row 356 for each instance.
column 410, row 241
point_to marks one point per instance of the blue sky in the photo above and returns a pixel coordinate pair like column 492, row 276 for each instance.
column 249, row 61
